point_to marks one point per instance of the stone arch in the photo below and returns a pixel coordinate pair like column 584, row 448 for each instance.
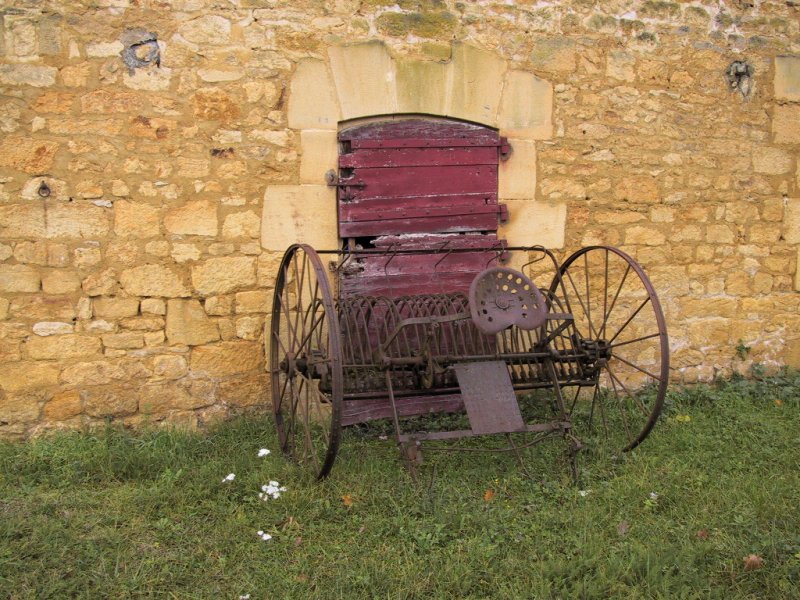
column 363, row 80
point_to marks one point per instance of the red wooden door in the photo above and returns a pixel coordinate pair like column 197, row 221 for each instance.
column 419, row 184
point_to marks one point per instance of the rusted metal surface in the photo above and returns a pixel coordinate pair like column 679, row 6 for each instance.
column 500, row 298
column 489, row 397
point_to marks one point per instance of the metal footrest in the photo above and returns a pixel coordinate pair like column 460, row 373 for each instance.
column 489, row 397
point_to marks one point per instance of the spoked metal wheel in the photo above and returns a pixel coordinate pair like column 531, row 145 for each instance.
column 620, row 330
column 305, row 362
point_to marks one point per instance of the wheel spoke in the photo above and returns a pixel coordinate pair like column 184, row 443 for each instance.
column 622, row 411
column 639, row 339
column 638, row 368
column 580, row 301
column 631, row 318
column 616, row 296
column 627, row 391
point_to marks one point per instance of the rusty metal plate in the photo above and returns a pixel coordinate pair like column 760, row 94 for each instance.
column 489, row 397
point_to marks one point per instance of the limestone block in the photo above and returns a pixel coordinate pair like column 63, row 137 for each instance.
column 192, row 167
column 182, row 253
column 60, row 282
column 792, row 221
column 110, row 402
column 62, row 346
column 76, row 76
column 154, row 338
column 365, row 79
column 517, row 175
column 25, row 74
column 299, row 214
column 20, row 408
column 621, row 65
column 211, row 30
column 169, row 366
column 127, row 340
column 4, row 305
column 151, row 80
column 245, row 224
column 87, row 256
column 77, row 220
column 475, row 84
column 772, row 161
column 102, row 283
column 220, row 75
column 786, row 124
column 797, row 273
column 22, row 220
column 115, row 308
column 227, row 358
column 257, row 301
column 54, row 101
column 224, row 274
column 18, row 278
column 312, row 97
column 532, row 223
column 219, row 305
column 212, row 104
column 194, row 218
column 45, row 328
column 637, row 189
column 526, row 110
column 554, row 55
column 105, row 101
column 136, row 219
column 248, row 390
column 20, row 376
column 319, row 153
column 154, row 306
column 40, row 307
column 31, row 253
column 154, row 280
column 188, row 324
column 142, row 323
column 647, row 236
column 249, row 327
column 104, row 49
column 159, row 398
column 422, row 86
column 63, row 406
column 26, row 154
column 787, row 78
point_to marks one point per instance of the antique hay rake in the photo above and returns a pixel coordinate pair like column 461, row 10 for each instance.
column 593, row 332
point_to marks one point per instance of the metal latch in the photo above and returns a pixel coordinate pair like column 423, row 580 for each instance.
column 333, row 181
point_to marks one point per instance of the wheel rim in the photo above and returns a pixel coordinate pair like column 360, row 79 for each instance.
column 305, row 362
column 620, row 326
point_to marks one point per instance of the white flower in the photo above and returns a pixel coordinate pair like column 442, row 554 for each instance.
column 229, row 477
column 653, row 496
column 272, row 490
column 584, row 493
column 263, row 452
column 245, row 597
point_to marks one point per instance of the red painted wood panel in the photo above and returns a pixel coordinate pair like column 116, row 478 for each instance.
column 420, row 129
column 415, row 157
column 424, row 181
column 361, row 411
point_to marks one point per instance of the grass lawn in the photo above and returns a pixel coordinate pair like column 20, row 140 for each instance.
column 115, row 515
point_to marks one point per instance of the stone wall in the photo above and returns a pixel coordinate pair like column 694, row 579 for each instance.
column 157, row 155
